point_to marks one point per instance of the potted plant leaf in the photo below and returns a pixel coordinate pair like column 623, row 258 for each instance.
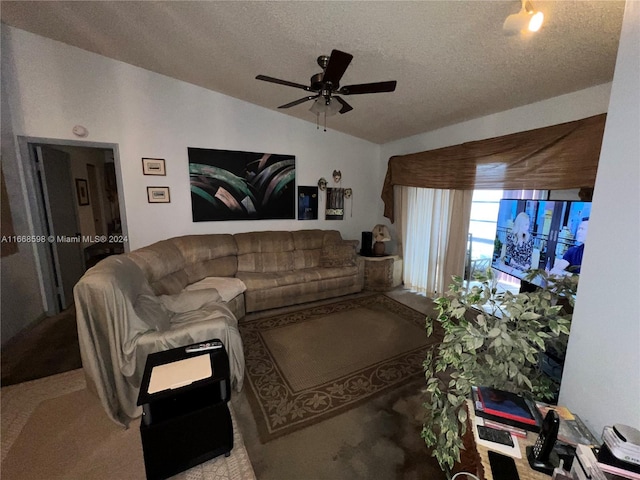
column 493, row 339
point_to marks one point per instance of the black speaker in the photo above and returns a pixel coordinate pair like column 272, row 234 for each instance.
column 367, row 241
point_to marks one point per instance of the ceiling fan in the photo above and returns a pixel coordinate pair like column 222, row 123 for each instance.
column 326, row 85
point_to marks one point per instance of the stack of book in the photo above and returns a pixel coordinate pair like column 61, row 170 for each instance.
column 586, row 467
column 600, row 464
column 506, row 410
column 620, row 452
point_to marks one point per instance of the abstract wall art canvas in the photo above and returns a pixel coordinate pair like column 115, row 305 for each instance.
column 233, row 185
column 307, row 203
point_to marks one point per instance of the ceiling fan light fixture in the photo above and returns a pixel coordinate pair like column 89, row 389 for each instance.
column 327, row 106
column 325, row 86
column 526, row 20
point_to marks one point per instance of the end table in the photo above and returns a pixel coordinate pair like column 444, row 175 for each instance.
column 382, row 274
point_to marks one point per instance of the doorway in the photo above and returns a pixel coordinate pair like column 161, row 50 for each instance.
column 96, row 207
column 76, row 206
column 62, row 223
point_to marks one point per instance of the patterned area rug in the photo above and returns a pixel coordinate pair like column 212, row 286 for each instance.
column 306, row 366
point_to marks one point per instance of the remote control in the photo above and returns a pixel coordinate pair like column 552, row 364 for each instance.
column 494, row 435
column 203, row 347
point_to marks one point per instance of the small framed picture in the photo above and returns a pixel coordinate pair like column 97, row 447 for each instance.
column 82, row 191
column 307, row 203
column 153, row 166
column 158, row 194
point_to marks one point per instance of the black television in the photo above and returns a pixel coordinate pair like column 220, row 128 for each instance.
column 540, row 234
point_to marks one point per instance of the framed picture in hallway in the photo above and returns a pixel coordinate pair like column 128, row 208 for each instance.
column 82, row 191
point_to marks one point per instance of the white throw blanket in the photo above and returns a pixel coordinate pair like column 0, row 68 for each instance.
column 121, row 321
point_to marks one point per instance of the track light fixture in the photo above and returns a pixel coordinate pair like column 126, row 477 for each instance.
column 526, row 20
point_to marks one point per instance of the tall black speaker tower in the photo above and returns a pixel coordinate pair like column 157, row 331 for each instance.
column 367, row 242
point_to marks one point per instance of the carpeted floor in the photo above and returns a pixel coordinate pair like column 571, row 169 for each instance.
column 376, row 439
column 53, row 428
column 46, row 348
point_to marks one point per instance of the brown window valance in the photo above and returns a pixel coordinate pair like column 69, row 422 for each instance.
column 557, row 157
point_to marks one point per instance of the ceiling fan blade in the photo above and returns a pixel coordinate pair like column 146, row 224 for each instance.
column 282, row 82
column 338, row 63
column 345, row 106
column 298, row 102
column 368, row 88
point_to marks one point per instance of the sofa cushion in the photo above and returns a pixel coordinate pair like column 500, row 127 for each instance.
column 216, row 267
column 150, row 309
column 338, row 255
column 213, row 255
column 309, row 239
column 306, row 258
column 260, row 281
column 308, row 246
column 228, row 288
column 268, row 251
column 264, row 242
column 266, row 262
column 331, row 236
column 187, row 301
column 170, row 265
column 162, row 264
column 199, row 248
column 298, row 293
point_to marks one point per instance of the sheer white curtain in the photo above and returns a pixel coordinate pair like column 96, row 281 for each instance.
column 434, row 225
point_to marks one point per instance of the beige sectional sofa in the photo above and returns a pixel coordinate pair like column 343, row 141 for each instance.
column 189, row 289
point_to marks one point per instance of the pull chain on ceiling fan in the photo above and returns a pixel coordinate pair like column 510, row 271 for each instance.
column 326, row 86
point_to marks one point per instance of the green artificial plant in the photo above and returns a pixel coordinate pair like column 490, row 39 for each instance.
column 490, row 339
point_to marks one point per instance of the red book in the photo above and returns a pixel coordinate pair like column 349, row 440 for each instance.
column 505, row 405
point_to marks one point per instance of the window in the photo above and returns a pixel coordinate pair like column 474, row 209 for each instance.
column 485, row 205
column 482, row 225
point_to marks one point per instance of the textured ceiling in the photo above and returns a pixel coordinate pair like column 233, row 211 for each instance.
column 451, row 58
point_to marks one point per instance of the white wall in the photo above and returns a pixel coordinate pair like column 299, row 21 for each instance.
column 48, row 87
column 53, row 87
column 565, row 108
column 602, row 375
column 20, row 287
